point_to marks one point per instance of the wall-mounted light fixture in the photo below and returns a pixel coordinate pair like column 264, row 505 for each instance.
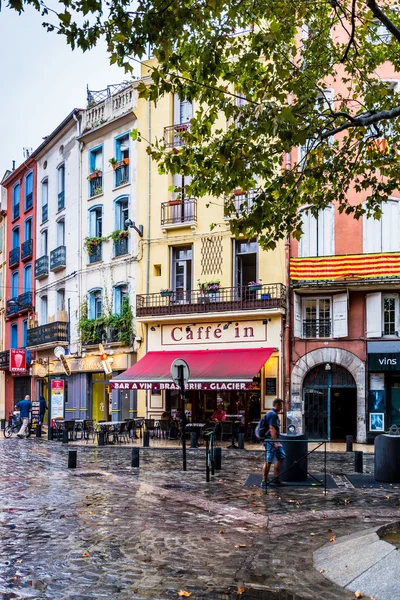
column 328, row 367
column 132, row 225
column 152, row 328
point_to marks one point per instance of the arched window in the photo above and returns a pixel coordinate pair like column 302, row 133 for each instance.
column 28, row 229
column 96, row 221
column 120, row 293
column 45, row 199
column 28, row 278
column 16, row 200
column 95, row 303
column 43, row 310
column 29, row 191
column 15, row 237
column 14, row 335
column 14, row 284
column 121, row 208
column 61, row 233
column 61, row 187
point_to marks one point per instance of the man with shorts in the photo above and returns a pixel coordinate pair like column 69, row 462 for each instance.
column 274, row 452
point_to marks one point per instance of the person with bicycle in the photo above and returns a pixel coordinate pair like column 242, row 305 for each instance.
column 24, row 406
column 274, row 452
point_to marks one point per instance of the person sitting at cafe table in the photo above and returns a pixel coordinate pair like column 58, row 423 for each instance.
column 219, row 415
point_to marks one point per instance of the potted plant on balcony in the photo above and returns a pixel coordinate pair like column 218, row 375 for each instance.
column 166, row 293
column 175, row 202
column 91, row 243
column 238, row 192
column 254, row 286
column 118, row 235
column 113, row 162
column 97, row 191
column 213, row 286
column 125, row 161
column 95, row 173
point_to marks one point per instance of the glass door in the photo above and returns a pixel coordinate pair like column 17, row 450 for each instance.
column 182, row 273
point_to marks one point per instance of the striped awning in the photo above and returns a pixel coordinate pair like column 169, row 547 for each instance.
column 351, row 266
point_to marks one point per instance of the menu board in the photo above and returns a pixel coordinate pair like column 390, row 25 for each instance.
column 270, row 386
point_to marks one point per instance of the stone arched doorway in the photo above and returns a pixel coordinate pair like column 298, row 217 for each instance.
column 331, row 356
column 330, row 403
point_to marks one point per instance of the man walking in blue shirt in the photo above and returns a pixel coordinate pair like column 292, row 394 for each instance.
column 24, row 407
column 274, row 452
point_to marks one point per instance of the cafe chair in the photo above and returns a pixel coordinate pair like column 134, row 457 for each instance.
column 88, row 429
column 165, row 428
column 70, row 427
column 225, row 429
column 151, row 426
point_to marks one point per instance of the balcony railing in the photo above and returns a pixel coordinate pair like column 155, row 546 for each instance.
column 41, row 267
column 178, row 214
column 26, row 249
column 317, row 328
column 4, row 359
column 61, row 200
column 51, row 334
column 58, row 259
column 223, row 300
column 19, row 304
column 13, row 257
column 95, row 254
column 121, row 247
column 29, row 200
column 121, row 175
column 45, row 213
column 96, row 186
column 244, row 202
column 172, row 135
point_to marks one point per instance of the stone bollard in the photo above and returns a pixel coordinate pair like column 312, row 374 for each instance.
column 193, row 439
column 241, row 441
column 358, row 461
column 146, row 439
column 65, row 436
column 349, row 443
column 217, row 458
column 38, row 430
column 135, row 457
column 72, row 457
column 102, row 436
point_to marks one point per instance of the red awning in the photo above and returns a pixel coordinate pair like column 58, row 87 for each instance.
column 209, row 369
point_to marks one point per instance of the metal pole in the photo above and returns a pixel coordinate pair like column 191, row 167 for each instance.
column 358, row 461
column 135, row 457
column 49, row 427
column 217, row 458
column 182, row 390
column 325, row 468
column 207, row 463
column 349, row 443
column 193, row 439
column 72, row 456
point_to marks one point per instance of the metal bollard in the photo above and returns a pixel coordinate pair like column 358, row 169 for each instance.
column 193, row 439
column 146, row 439
column 72, row 456
column 135, row 457
column 217, row 458
column 2, row 424
column 65, row 436
column 50, row 433
column 349, row 443
column 38, row 430
column 241, row 441
column 101, row 438
column 358, row 461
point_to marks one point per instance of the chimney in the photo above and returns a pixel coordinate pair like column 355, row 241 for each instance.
column 13, row 167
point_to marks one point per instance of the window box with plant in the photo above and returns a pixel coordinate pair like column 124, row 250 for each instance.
column 174, row 202
column 118, row 235
column 209, row 287
column 118, row 163
column 91, row 243
column 254, row 286
column 166, row 293
column 95, row 174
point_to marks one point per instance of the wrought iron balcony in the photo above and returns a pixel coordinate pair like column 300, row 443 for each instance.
column 172, row 135
column 121, row 247
column 58, row 258
column 4, row 359
column 183, row 212
column 121, row 175
column 221, row 300
column 96, row 186
column 26, row 249
column 317, row 328
column 45, row 213
column 51, row 334
column 95, row 254
column 29, row 200
column 61, row 200
column 103, row 336
column 19, row 304
column 41, row 267
column 13, row 257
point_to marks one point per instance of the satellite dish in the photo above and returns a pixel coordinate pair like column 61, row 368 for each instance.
column 59, row 351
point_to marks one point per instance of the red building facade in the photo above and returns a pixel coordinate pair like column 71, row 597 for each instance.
column 19, row 286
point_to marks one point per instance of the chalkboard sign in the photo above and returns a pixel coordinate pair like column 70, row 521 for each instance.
column 270, row 386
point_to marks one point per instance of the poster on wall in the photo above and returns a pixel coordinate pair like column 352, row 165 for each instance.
column 377, row 422
column 57, row 398
column 17, row 362
column 35, row 413
column 377, row 381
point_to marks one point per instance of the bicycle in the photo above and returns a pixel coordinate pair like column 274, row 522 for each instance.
column 210, row 457
column 14, row 425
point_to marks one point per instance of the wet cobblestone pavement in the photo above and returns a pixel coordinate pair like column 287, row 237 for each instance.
column 106, row 531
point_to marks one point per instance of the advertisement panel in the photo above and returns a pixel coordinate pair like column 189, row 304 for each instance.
column 17, row 361
column 57, row 398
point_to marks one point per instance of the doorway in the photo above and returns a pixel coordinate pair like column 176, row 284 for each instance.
column 100, row 393
column 22, row 387
column 330, row 403
column 245, row 262
column 182, row 272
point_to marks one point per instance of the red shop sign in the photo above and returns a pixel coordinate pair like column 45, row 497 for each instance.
column 17, row 361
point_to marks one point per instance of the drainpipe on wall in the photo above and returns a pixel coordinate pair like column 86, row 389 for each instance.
column 79, row 157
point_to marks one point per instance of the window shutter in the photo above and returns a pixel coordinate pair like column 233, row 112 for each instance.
column 372, row 235
column 390, row 226
column 92, row 223
column 339, row 314
column 326, row 231
column 92, row 306
column 177, row 110
column 188, row 110
column 374, row 314
column 297, row 315
column 308, row 241
column 117, row 300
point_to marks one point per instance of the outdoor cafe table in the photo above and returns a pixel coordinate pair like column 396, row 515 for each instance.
column 104, row 425
column 233, row 419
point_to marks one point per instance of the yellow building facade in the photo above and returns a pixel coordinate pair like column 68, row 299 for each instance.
column 193, row 285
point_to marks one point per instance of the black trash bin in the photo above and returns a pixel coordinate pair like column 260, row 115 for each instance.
column 387, row 458
column 294, row 451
